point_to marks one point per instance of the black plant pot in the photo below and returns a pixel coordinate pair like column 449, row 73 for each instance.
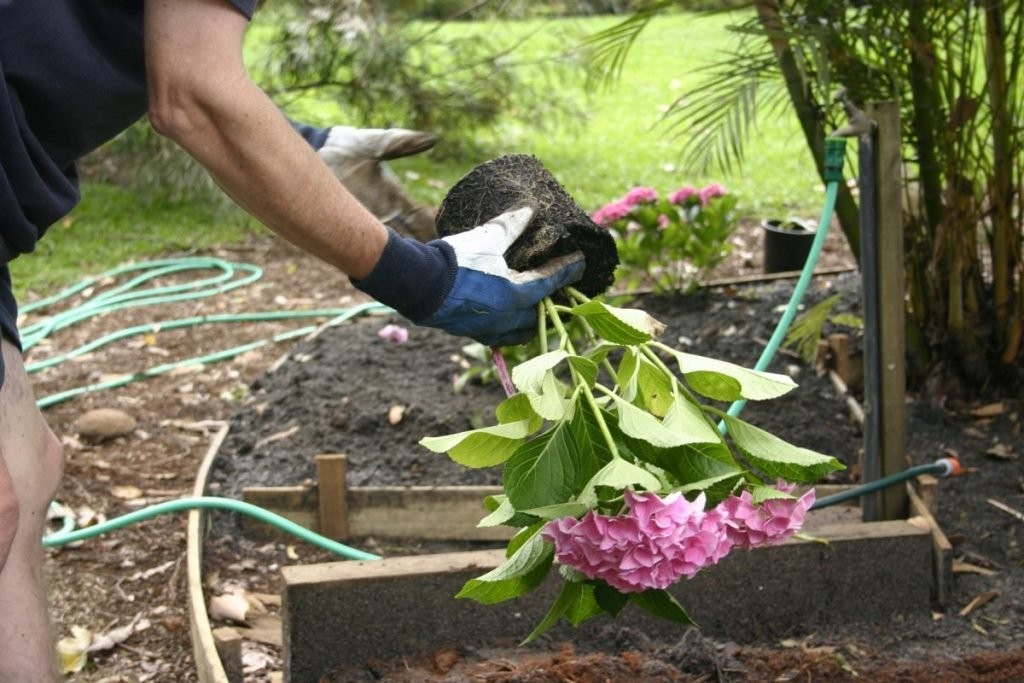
column 786, row 245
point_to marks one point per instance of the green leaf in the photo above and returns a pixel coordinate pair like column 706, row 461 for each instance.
column 592, row 446
column 655, row 388
column 661, row 604
column 542, row 472
column 723, row 381
column 629, row 326
column 519, row 574
column 601, row 351
column 702, row 467
column 557, row 511
column 550, row 400
column 619, row 475
column 516, row 408
column 483, row 447
column 584, row 606
column 569, row 594
column 687, row 417
column 627, row 375
column 683, row 424
column 503, row 514
column 609, row 599
column 585, row 368
column 777, row 458
column 529, row 375
column 760, row 494
column 806, row 330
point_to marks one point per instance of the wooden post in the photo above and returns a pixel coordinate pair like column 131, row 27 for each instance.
column 884, row 358
column 229, row 647
column 839, row 344
column 333, row 495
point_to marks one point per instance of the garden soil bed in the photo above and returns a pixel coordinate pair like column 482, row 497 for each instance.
column 341, row 391
column 137, row 574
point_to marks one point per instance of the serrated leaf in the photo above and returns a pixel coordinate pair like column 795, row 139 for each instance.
column 681, row 425
column 723, row 381
column 543, row 471
column 549, row 400
column 594, row 451
column 529, row 375
column 654, row 388
column 619, row 475
column 688, row 418
column 760, row 494
column 569, row 593
column 628, row 326
column 516, row 408
column 519, row 574
column 484, row 447
column 601, row 351
column 505, row 515
column 661, row 604
column 609, row 599
column 777, row 458
column 558, row 511
column 627, row 375
column 585, row 368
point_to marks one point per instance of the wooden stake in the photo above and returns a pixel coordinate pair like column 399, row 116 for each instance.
column 229, row 647
column 332, row 470
column 1007, row 509
column 839, row 344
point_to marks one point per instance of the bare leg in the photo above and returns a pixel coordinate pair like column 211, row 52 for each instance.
column 30, row 470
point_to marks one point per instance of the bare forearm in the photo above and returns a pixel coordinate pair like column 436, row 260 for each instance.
column 233, row 129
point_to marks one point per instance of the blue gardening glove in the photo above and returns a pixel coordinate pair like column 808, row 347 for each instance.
column 462, row 285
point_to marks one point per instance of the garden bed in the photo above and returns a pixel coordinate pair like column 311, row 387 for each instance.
column 342, row 392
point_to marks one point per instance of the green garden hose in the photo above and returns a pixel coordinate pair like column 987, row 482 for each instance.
column 208, row 502
column 833, row 175
column 136, row 292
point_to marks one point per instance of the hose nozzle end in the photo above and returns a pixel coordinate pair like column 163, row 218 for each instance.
column 953, row 467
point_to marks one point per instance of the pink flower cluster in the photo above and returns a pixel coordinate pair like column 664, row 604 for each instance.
column 770, row 523
column 620, row 208
column 660, row 540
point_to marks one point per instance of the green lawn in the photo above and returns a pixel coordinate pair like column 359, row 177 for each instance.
column 619, row 145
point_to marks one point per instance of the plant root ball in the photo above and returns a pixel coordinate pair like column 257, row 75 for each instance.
column 559, row 225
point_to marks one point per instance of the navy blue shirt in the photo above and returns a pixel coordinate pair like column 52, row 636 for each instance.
column 72, row 76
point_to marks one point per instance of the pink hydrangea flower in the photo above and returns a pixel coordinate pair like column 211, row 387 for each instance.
column 710, row 191
column 682, row 195
column 655, row 543
column 639, row 195
column 609, row 213
column 663, row 221
column 771, row 523
column 394, row 333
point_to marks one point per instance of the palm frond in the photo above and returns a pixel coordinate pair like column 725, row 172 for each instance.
column 609, row 48
column 717, row 116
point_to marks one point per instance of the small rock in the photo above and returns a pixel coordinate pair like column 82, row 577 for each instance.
column 104, row 423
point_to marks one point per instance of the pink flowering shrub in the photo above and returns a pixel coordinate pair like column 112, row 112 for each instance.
column 672, row 241
column 655, row 543
column 614, row 467
column 658, row 541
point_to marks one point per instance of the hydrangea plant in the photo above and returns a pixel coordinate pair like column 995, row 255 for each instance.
column 621, row 468
column 672, row 240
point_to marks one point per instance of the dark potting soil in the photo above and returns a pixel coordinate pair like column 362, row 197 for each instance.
column 335, row 394
column 559, row 227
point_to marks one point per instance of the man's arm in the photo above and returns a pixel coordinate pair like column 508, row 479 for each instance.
column 202, row 98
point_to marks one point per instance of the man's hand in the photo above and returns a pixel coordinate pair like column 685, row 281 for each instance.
column 461, row 284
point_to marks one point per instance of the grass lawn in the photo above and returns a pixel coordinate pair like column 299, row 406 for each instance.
column 619, row 145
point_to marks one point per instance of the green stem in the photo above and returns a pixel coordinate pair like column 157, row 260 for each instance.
column 566, row 344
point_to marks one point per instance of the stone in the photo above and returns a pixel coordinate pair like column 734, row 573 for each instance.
column 102, row 424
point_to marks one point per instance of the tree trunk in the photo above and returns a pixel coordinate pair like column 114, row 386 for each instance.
column 809, row 115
